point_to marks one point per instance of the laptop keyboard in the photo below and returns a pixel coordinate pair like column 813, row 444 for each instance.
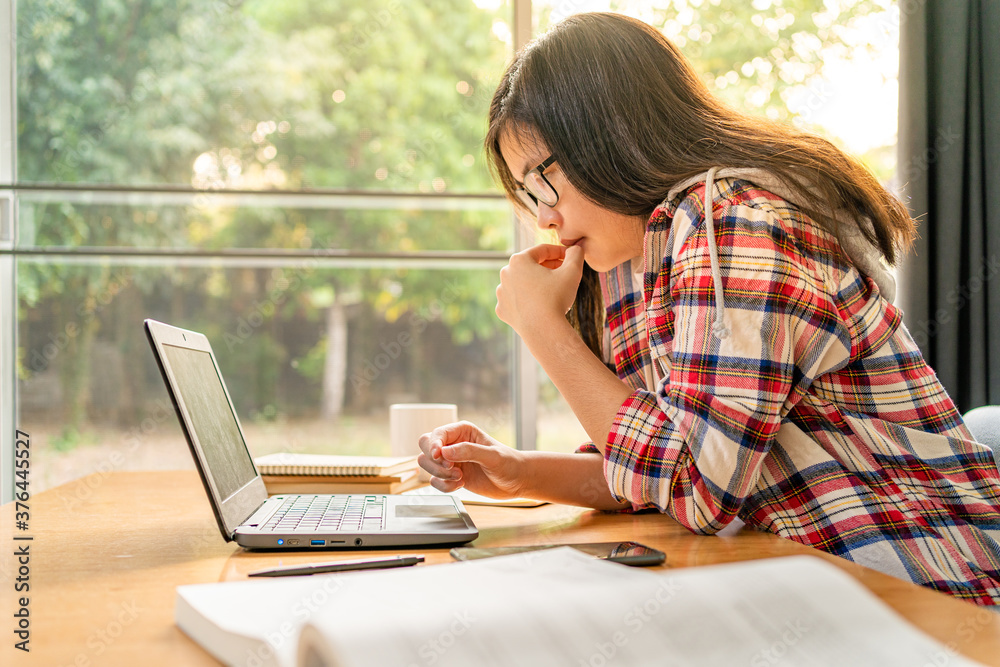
column 328, row 513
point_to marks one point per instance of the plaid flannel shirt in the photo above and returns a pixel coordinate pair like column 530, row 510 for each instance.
column 817, row 419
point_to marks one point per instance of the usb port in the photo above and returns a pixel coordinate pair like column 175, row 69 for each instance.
column 317, row 543
column 292, row 542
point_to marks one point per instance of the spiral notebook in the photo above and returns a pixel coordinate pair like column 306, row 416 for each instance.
column 290, row 463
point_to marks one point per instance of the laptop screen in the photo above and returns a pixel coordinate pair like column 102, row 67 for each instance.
column 212, row 419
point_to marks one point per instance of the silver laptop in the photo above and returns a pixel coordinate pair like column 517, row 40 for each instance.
column 242, row 507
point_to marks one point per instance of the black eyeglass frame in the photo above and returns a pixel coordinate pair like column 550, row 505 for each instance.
column 531, row 199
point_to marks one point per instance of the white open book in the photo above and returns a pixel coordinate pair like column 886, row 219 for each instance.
column 557, row 607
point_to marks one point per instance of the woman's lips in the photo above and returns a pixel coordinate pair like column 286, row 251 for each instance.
column 570, row 242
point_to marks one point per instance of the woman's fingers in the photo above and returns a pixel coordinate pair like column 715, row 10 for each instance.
column 573, row 258
column 461, row 454
column 538, row 284
column 467, row 452
column 490, row 468
column 446, row 485
column 545, row 252
column 432, row 444
column 437, row 468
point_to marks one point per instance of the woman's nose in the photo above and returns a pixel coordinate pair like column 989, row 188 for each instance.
column 548, row 217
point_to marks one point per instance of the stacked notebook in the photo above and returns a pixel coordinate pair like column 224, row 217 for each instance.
column 288, row 473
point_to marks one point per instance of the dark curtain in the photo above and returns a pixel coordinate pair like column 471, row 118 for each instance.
column 949, row 168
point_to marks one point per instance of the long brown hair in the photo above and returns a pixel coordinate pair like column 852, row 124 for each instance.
column 627, row 117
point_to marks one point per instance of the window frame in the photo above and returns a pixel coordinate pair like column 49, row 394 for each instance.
column 8, row 235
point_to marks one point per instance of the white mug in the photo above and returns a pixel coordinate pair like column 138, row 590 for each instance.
column 409, row 421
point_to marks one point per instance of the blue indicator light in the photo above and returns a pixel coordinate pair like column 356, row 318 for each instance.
column 280, row 541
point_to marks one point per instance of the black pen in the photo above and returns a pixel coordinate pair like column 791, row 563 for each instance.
column 339, row 566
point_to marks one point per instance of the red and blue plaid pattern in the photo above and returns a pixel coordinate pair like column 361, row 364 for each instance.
column 817, row 419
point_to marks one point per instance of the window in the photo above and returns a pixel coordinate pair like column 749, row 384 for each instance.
column 304, row 183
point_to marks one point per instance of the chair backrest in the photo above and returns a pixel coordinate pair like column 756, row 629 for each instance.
column 984, row 423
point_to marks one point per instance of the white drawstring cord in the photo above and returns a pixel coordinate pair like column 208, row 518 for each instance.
column 719, row 328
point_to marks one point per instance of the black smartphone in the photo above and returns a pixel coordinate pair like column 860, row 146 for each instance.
column 629, row 553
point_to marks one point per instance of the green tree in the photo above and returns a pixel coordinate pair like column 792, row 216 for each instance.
column 760, row 56
column 221, row 96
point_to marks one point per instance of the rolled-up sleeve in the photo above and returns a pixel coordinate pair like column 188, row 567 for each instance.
column 694, row 449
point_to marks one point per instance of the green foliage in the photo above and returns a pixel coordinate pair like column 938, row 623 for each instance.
column 310, row 365
column 222, row 95
column 69, row 438
column 759, row 55
column 354, row 95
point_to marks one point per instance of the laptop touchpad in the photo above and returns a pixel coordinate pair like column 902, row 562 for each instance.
column 430, row 517
column 427, row 511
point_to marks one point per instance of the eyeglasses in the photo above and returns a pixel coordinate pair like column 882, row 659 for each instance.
column 537, row 188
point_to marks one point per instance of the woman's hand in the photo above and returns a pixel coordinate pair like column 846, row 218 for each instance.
column 461, row 455
column 538, row 284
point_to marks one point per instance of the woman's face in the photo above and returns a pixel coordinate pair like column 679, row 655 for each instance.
column 607, row 238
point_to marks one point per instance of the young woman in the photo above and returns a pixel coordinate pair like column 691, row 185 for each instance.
column 731, row 347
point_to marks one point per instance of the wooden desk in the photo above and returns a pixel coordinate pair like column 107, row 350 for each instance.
column 110, row 549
